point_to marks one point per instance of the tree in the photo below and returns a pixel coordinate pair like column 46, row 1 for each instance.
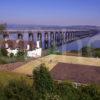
column 43, row 82
column 2, row 27
column 3, row 52
column 87, row 51
column 53, row 50
column 20, row 55
column 97, row 52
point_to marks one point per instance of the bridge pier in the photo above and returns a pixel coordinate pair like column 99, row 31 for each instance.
column 56, row 33
column 30, row 44
column 47, row 38
column 5, row 40
column 51, row 39
column 7, row 43
column 60, row 39
column 39, row 38
column 66, row 37
column 31, row 36
column 20, row 42
column 46, row 41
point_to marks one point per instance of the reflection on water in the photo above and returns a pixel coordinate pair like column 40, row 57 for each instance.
column 77, row 45
column 1, row 37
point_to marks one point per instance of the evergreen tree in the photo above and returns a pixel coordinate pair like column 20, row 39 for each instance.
column 43, row 82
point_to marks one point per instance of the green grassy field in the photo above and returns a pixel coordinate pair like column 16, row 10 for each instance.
column 5, row 77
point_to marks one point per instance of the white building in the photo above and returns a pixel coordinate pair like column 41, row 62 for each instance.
column 37, row 52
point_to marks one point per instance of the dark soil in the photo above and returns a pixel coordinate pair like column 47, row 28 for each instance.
column 77, row 73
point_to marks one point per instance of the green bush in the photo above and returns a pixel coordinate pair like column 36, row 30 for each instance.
column 18, row 90
column 90, row 91
column 42, row 80
column 97, row 52
column 54, row 50
column 2, row 27
column 20, row 56
column 2, row 96
column 43, row 83
column 3, row 60
column 11, row 55
column 66, row 91
column 84, row 96
column 87, row 51
column 3, row 52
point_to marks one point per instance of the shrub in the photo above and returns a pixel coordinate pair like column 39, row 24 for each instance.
column 11, row 55
column 87, row 51
column 20, row 55
column 3, row 52
column 2, row 27
column 91, row 91
column 66, row 91
column 2, row 97
column 43, row 83
column 97, row 52
column 18, row 90
column 2, row 60
column 84, row 96
column 53, row 50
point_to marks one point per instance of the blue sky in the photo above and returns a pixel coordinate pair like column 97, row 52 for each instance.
column 50, row 12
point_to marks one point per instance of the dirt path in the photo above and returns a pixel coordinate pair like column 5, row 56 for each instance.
column 11, row 66
column 52, row 60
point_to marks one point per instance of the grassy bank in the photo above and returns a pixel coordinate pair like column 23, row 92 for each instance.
column 45, row 88
column 5, row 77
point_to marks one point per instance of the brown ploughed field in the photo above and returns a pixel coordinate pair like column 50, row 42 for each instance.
column 76, row 72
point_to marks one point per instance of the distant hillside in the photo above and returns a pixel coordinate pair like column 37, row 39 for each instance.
column 20, row 26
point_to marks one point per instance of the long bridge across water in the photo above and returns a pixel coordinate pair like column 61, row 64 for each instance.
column 47, row 38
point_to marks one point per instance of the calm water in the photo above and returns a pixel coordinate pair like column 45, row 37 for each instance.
column 77, row 45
